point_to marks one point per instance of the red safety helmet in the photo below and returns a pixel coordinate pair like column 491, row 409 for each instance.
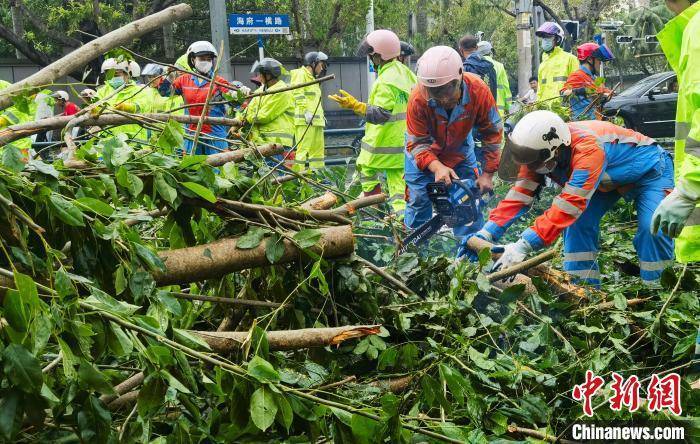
column 601, row 52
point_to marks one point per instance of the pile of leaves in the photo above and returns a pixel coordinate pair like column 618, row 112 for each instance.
column 456, row 360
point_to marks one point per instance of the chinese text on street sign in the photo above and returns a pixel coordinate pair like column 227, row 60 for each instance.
column 258, row 23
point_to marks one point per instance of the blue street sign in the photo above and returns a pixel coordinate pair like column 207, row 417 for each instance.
column 258, row 24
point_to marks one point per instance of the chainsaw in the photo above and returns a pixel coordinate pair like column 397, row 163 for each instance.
column 458, row 205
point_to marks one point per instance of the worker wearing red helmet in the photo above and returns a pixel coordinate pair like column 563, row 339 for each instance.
column 442, row 111
column 581, row 88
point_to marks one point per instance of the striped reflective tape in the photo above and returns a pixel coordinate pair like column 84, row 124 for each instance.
column 655, row 265
column 585, row 274
column 576, row 191
column 382, row 149
column 682, row 130
column 397, row 117
column 279, row 135
column 560, row 79
column 519, row 197
column 581, row 256
column 692, row 147
column 567, row 207
column 527, row 184
column 694, row 219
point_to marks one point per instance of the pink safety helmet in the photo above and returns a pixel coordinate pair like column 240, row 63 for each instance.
column 549, row 29
column 382, row 42
column 438, row 66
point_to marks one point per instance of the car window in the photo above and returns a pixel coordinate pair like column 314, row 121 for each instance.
column 640, row 88
column 668, row 86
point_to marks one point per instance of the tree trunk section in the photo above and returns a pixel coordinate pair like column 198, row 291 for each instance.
column 222, row 342
column 81, row 56
column 324, row 202
column 238, row 156
column 219, row 258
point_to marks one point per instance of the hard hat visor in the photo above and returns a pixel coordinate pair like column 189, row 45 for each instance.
column 364, row 49
column 604, row 53
column 524, row 155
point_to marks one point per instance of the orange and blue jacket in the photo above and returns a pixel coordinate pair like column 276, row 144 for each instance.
column 580, row 83
column 432, row 134
column 602, row 157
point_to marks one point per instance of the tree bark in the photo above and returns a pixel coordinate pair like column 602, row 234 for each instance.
column 22, row 130
column 124, row 387
column 238, row 156
column 219, row 258
column 350, row 208
column 323, row 202
column 222, row 341
column 81, row 56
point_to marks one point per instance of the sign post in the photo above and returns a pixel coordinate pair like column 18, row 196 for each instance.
column 259, row 24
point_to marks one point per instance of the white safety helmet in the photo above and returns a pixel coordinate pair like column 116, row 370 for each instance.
column 153, row 69
column 537, row 136
column 134, row 69
column 60, row 94
column 484, row 48
column 111, row 63
column 201, row 47
column 88, row 93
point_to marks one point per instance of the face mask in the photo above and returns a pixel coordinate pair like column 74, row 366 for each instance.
column 203, row 66
column 544, row 169
column 116, row 81
column 547, row 44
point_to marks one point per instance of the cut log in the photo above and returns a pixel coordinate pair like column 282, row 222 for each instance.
column 394, row 385
column 75, row 60
column 250, row 209
column 22, row 130
column 279, row 180
column 125, row 400
column 124, row 387
column 219, row 258
column 226, row 341
column 238, row 156
column 324, row 202
column 350, row 208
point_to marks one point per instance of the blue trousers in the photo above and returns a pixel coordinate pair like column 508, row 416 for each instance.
column 655, row 252
column 205, row 145
column 419, row 208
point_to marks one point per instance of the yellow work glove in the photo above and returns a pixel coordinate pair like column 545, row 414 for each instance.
column 127, row 107
column 4, row 121
column 346, row 100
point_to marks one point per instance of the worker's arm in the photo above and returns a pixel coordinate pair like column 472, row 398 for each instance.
column 588, row 165
column 265, row 109
column 688, row 182
column 168, row 88
column 419, row 143
column 380, row 110
column 516, row 203
column 488, row 123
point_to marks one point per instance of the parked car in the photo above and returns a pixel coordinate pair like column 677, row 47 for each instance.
column 648, row 106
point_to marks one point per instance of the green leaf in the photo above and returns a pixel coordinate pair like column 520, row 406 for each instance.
column 68, row 360
column 620, row 301
column 193, row 159
column 274, row 248
column 115, row 152
column 63, row 283
column 175, row 383
column 129, row 181
column 285, row 415
column 95, row 205
column 8, row 412
column 152, row 261
column 118, row 341
column 92, row 378
column 512, row 293
column 263, row 408
column 200, row 191
column 22, row 368
column 164, row 189
column 590, row 329
column 12, row 158
column 66, row 211
column 484, row 256
column 262, row 370
column 251, row 239
column 480, row 360
column 172, row 136
column 16, row 311
column 151, row 395
column 44, row 168
column 307, row 238
column 189, row 339
column 119, row 280
column 365, row 430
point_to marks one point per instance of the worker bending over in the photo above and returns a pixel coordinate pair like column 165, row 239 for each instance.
column 580, row 90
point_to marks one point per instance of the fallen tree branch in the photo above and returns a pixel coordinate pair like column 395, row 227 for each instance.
column 220, row 300
column 324, row 202
column 22, row 130
column 125, row 386
column 394, row 385
column 219, row 258
column 512, row 428
column 21, row 215
column 124, row 400
column 383, row 274
column 350, row 208
column 227, row 341
column 238, row 156
column 290, row 213
column 282, row 179
column 81, row 56
column 522, row 266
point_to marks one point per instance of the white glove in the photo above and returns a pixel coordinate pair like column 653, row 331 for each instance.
column 672, row 213
column 309, row 117
column 513, row 253
column 244, row 89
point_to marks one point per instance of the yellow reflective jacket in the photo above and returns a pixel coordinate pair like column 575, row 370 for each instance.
column 14, row 116
column 307, row 99
column 553, row 72
column 503, row 94
column 382, row 145
column 272, row 116
column 131, row 93
column 679, row 41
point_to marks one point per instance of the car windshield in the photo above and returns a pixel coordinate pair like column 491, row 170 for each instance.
column 643, row 85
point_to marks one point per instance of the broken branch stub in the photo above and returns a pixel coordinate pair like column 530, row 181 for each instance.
column 214, row 260
column 226, row 341
column 324, row 202
column 238, row 156
column 75, row 60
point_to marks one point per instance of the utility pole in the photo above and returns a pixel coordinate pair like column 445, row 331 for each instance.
column 523, row 20
column 220, row 32
column 370, row 28
column 17, row 26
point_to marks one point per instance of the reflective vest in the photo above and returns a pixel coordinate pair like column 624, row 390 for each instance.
column 308, row 99
column 555, row 68
column 15, row 116
column 683, row 54
column 195, row 90
column 131, row 93
column 272, row 116
column 503, row 96
column 382, row 146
